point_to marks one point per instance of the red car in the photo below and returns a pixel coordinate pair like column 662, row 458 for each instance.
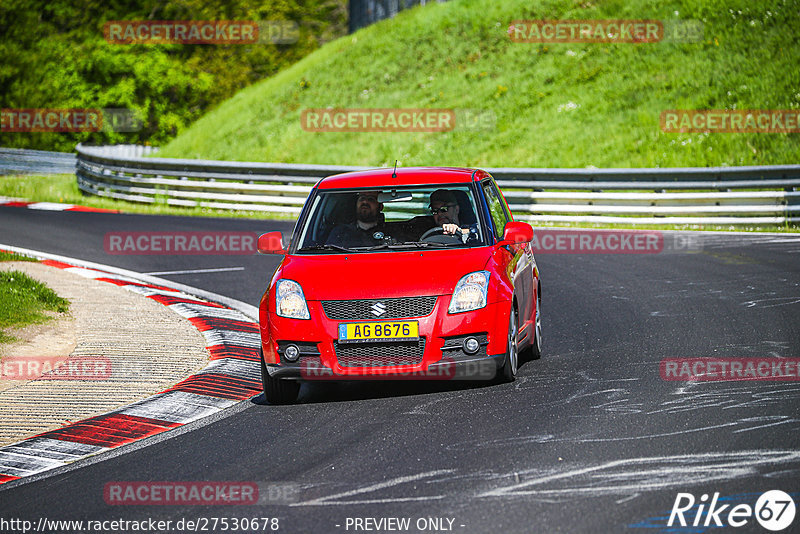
column 417, row 273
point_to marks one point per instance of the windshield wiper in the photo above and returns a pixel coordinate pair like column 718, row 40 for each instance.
column 407, row 244
column 425, row 244
column 325, row 247
column 376, row 247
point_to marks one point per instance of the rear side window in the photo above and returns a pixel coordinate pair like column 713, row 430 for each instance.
column 497, row 207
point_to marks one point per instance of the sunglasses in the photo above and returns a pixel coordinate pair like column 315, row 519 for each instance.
column 442, row 209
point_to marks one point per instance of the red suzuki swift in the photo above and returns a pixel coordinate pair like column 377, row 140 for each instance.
column 413, row 273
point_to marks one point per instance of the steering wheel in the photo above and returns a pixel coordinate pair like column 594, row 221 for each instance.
column 437, row 235
column 432, row 231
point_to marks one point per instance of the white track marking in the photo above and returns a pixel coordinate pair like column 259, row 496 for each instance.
column 239, row 339
column 193, row 271
column 93, row 274
column 57, row 448
column 177, row 407
column 233, row 367
column 22, row 465
column 36, row 455
column 149, row 292
column 192, row 310
column 49, row 206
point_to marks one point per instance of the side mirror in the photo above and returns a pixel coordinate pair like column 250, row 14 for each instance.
column 271, row 243
column 516, row 233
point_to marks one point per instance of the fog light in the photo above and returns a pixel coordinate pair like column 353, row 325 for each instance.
column 471, row 345
column 291, row 353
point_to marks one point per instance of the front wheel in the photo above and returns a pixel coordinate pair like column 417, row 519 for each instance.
column 278, row 391
column 509, row 370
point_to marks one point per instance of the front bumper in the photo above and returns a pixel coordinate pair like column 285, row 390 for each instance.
column 475, row 369
column 440, row 335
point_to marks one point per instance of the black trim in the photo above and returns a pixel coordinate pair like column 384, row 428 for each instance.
column 307, row 348
column 294, row 372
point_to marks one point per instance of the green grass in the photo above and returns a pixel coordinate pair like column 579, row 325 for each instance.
column 63, row 188
column 13, row 256
column 24, row 301
column 458, row 55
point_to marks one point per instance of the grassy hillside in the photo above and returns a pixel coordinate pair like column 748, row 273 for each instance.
column 556, row 105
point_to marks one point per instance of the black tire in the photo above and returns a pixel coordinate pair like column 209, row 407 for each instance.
column 278, row 391
column 509, row 370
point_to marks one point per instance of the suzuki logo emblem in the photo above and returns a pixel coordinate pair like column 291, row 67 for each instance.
column 378, row 309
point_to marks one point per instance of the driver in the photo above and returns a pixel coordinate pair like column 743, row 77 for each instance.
column 445, row 209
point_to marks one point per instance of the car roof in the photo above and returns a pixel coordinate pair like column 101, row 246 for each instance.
column 406, row 176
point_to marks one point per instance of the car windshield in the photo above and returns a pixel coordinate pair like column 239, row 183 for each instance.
column 366, row 220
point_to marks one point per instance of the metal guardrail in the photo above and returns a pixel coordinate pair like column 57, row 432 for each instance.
column 365, row 12
column 24, row 161
column 715, row 195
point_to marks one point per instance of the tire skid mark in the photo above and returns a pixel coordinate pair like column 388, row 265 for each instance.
column 624, row 479
column 332, row 500
column 637, row 475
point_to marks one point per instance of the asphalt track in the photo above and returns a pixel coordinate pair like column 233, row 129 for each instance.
column 588, row 439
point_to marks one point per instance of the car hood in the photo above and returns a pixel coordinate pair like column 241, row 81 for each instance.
column 382, row 274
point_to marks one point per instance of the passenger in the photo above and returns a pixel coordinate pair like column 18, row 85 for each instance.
column 368, row 228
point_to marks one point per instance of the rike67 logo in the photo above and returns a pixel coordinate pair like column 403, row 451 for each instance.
column 774, row 510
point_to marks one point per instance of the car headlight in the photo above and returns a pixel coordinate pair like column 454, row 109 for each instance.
column 470, row 292
column 290, row 301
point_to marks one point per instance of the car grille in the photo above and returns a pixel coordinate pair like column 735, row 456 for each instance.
column 396, row 308
column 379, row 354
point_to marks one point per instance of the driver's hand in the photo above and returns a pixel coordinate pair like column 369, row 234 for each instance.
column 450, row 228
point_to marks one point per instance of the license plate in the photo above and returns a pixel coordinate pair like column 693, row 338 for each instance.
column 386, row 331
